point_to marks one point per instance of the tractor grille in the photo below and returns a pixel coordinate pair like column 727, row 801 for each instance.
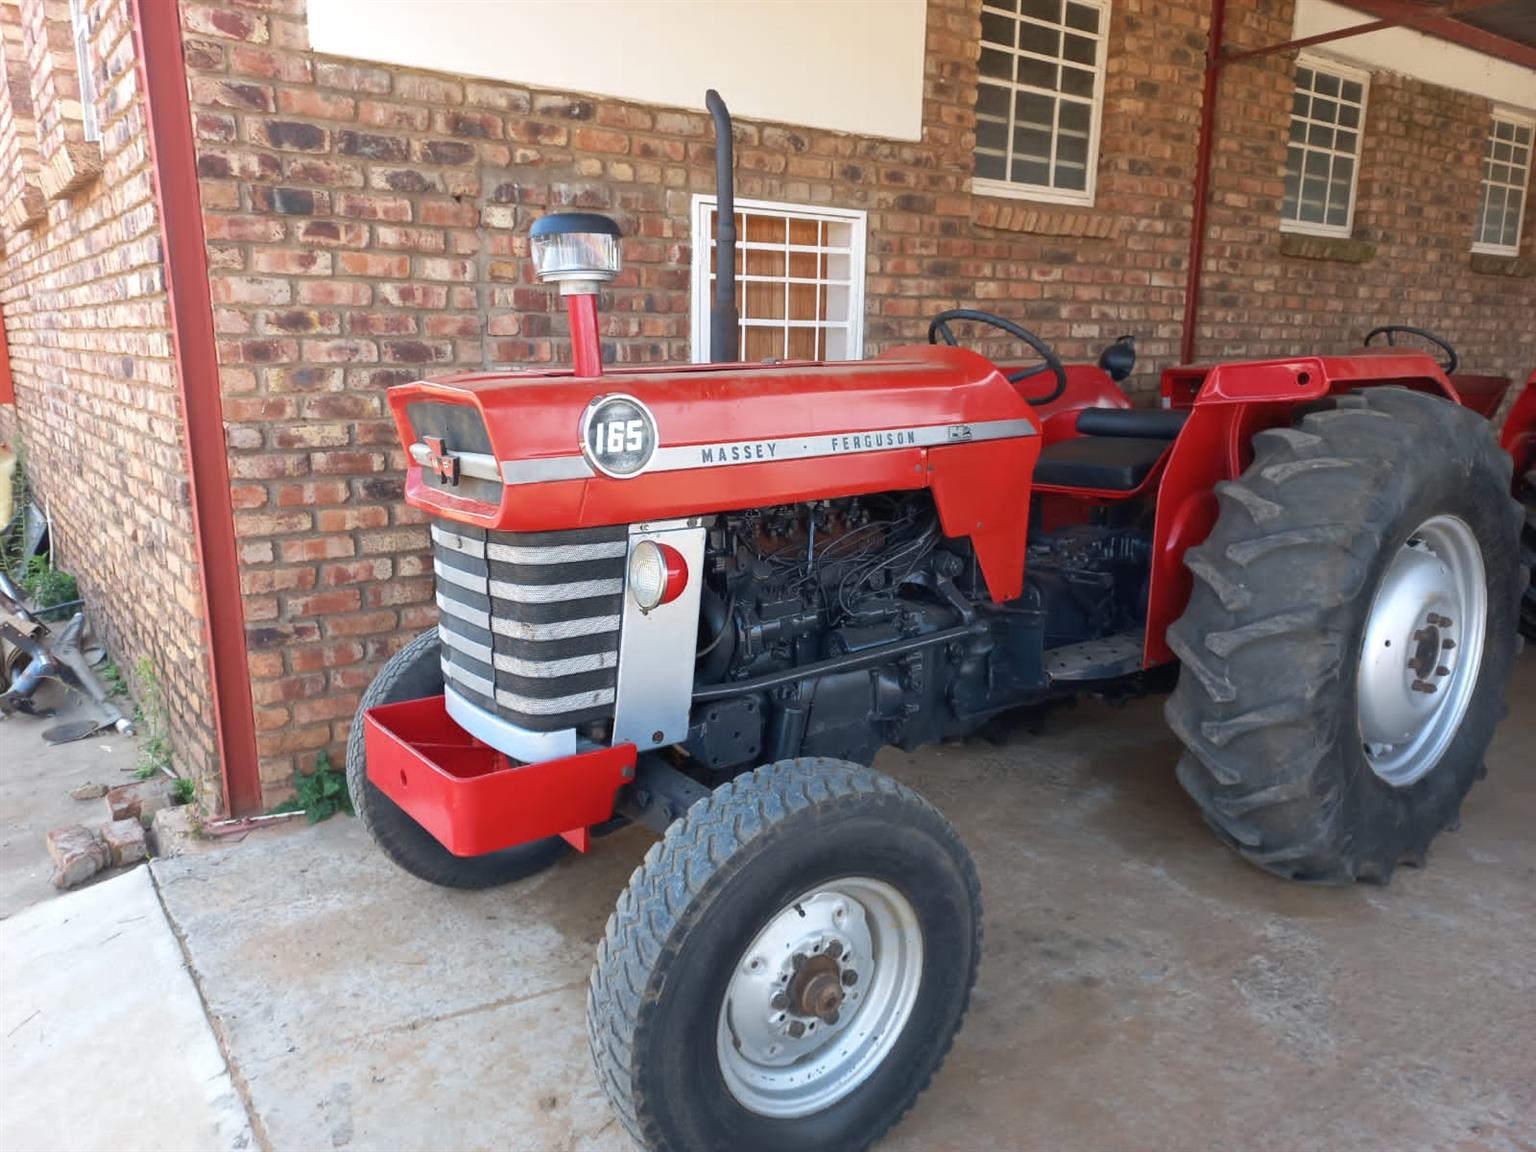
column 529, row 621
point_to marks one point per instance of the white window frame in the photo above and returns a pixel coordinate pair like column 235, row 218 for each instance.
column 1040, row 192
column 80, row 34
column 1343, row 72
column 702, row 290
column 1521, row 119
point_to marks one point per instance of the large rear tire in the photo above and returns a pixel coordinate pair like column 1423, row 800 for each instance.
column 788, row 967
column 412, row 673
column 1349, row 636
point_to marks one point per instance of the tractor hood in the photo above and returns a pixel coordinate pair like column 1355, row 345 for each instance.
column 545, row 451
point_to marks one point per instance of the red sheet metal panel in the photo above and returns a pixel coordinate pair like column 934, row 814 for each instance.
column 470, row 797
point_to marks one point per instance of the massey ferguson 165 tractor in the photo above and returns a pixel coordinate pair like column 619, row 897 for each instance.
column 702, row 598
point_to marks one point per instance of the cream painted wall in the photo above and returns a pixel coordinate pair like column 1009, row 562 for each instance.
column 847, row 65
column 1413, row 54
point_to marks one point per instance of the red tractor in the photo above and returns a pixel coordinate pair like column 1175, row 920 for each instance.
column 702, row 598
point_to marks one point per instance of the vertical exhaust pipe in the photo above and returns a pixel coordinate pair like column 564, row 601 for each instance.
column 722, row 312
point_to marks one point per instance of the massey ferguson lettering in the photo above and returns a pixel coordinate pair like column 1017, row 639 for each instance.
column 753, row 451
column 864, row 441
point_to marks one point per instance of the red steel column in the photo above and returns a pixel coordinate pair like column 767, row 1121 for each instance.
column 162, row 74
column 1202, row 181
column 7, row 386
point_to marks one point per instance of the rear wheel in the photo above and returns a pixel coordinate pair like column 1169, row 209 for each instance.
column 789, row 965
column 1349, row 636
column 412, row 673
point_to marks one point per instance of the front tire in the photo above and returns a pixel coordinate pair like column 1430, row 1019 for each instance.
column 788, row 967
column 1314, row 747
column 414, row 672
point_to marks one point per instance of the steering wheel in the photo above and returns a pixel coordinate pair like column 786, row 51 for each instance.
column 940, row 327
column 1448, row 365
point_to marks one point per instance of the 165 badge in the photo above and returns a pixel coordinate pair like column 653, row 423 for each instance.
column 618, row 435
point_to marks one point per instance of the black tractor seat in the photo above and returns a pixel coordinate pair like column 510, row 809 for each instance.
column 1115, row 449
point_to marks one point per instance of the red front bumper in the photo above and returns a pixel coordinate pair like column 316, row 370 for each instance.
column 472, row 798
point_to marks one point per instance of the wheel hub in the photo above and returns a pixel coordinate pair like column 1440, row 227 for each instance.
column 1421, row 650
column 820, row 997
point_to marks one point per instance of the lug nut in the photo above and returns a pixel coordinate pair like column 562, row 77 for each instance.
column 1423, row 686
column 1442, row 671
column 796, row 1029
column 779, row 1001
column 831, row 1017
column 835, row 949
column 797, row 961
column 1422, row 635
column 850, row 978
column 1447, row 644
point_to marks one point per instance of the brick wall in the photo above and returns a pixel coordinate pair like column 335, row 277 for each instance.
column 1415, row 211
column 83, row 295
column 366, row 226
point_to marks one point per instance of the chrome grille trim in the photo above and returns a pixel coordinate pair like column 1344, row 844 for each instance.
column 569, row 666
column 561, row 630
column 476, row 616
column 475, row 651
column 555, row 593
column 530, row 621
column 454, row 542
column 554, row 705
column 474, row 581
column 555, row 554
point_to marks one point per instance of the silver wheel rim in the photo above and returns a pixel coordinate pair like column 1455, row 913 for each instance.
column 1422, row 650
column 819, row 999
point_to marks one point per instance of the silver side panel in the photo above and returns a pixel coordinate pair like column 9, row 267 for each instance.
column 518, row 743
column 656, row 650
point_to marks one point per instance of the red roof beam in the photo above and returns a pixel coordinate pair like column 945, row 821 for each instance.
column 1437, row 23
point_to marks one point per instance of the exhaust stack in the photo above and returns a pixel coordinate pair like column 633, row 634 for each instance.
column 722, row 313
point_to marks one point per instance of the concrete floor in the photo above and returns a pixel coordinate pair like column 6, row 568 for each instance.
column 103, row 1039
column 1141, row 987
column 35, row 782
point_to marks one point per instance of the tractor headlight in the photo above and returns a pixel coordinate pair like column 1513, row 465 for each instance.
column 575, row 246
column 657, row 574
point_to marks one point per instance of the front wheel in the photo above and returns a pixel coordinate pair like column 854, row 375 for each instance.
column 412, row 673
column 1528, row 555
column 1349, row 636
column 789, row 965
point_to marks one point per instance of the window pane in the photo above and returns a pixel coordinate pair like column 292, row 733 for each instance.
column 1081, row 49
column 1512, row 217
column 992, row 135
column 1349, row 116
column 1082, row 17
column 1345, row 141
column 1317, row 164
column 997, row 29
column 1032, row 143
column 1325, row 111
column 1292, row 194
column 1034, row 111
column 1031, row 172
column 1038, row 38
column 1304, row 78
column 996, row 65
column 1042, row 9
column 1326, row 84
column 991, row 167
column 992, row 100
column 1523, row 135
column 1072, row 150
column 1075, row 117
column 1320, row 136
column 1037, row 73
column 1074, row 178
column 1076, row 82
column 1352, row 91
